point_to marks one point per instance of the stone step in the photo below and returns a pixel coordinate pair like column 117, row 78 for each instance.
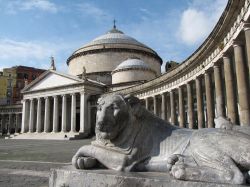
column 49, row 136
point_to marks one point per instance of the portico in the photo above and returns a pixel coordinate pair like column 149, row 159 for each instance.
column 57, row 106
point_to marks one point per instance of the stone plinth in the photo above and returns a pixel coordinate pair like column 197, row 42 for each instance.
column 70, row 177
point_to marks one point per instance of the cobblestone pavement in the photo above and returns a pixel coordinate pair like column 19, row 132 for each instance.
column 27, row 163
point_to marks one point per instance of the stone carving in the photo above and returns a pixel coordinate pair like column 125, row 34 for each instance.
column 84, row 74
column 223, row 123
column 130, row 138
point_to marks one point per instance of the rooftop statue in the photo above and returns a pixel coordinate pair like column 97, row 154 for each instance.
column 130, row 138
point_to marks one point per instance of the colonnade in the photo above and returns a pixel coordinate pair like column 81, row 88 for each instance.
column 222, row 90
column 10, row 123
column 57, row 113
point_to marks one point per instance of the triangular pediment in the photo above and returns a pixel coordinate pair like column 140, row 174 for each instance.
column 51, row 79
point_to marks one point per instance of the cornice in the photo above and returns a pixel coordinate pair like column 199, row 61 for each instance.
column 103, row 50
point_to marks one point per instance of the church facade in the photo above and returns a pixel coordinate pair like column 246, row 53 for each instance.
column 212, row 82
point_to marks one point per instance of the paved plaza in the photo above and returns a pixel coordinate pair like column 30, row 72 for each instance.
column 28, row 162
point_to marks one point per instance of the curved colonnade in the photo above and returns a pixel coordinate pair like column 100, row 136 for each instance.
column 212, row 82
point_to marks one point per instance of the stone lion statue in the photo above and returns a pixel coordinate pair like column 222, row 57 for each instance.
column 130, row 138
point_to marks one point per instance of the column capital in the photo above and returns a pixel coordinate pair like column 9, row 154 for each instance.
column 199, row 77
column 163, row 94
column 83, row 92
column 189, row 83
column 172, row 91
column 237, row 43
column 246, row 26
column 55, row 96
column 181, row 86
column 225, row 55
column 73, row 94
column 216, row 66
column 47, row 97
column 208, row 71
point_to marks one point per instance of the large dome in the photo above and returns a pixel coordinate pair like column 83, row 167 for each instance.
column 114, row 36
column 103, row 54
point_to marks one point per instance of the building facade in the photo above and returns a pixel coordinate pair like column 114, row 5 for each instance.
column 212, row 82
column 12, row 81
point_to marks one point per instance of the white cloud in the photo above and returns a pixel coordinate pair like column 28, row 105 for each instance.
column 198, row 20
column 23, row 50
column 93, row 11
column 31, row 53
column 25, row 5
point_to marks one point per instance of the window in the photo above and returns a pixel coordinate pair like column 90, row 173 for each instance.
column 20, row 76
column 33, row 77
column 26, row 76
column 19, row 84
column 9, row 83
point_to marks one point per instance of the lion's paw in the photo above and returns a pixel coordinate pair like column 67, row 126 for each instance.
column 182, row 171
column 178, row 171
column 83, row 162
column 173, row 160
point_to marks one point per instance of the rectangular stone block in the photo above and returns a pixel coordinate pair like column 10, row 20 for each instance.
column 70, row 177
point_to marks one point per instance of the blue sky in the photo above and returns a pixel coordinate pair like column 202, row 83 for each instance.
column 33, row 30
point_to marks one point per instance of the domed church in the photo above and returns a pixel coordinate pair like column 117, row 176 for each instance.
column 63, row 106
column 105, row 53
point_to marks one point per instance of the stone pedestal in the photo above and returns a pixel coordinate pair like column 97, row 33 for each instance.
column 70, row 177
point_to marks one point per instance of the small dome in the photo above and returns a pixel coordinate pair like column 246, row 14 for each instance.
column 134, row 63
column 132, row 71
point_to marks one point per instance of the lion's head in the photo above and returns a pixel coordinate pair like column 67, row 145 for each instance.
column 114, row 113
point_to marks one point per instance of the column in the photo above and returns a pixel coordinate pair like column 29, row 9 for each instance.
column 155, row 105
column 84, row 126
column 209, row 100
column 200, row 106
column 17, row 123
column 247, row 37
column 168, row 104
column 219, row 95
column 55, row 114
column 2, row 124
column 31, row 120
column 10, row 123
column 172, row 108
column 47, row 115
column 147, row 103
column 39, row 114
column 190, row 102
column 24, row 116
column 230, row 93
column 242, row 84
column 73, row 112
column 64, row 113
column 163, row 106
column 181, row 107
